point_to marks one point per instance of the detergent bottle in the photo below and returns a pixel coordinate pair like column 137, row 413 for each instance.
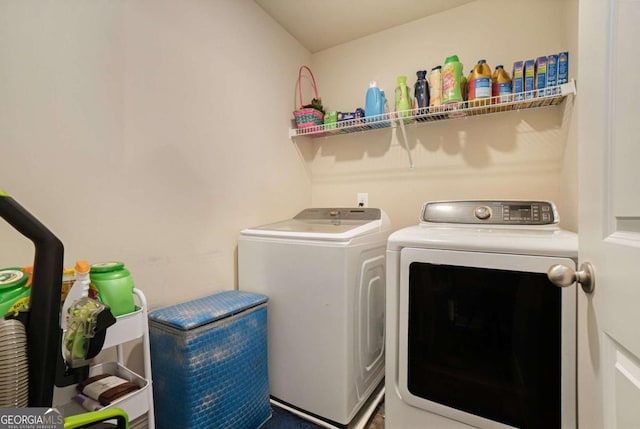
column 435, row 88
column 481, row 77
column 386, row 114
column 464, row 85
column 421, row 93
column 501, row 86
column 471, row 93
column 14, row 290
column 115, row 286
column 452, row 82
column 403, row 99
column 374, row 103
column 483, row 80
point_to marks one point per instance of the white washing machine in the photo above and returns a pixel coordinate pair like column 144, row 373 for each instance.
column 477, row 335
column 324, row 274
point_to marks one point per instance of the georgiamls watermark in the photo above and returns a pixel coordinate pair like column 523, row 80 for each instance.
column 31, row 418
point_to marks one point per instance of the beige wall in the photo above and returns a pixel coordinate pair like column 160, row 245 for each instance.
column 148, row 131
column 569, row 178
column 527, row 154
column 152, row 131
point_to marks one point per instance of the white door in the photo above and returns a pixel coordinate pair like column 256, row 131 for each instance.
column 609, row 214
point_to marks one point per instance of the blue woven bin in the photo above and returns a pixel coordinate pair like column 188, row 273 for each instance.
column 209, row 362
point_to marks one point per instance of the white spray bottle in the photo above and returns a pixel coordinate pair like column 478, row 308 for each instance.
column 80, row 289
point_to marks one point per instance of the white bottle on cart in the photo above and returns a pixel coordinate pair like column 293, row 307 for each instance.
column 80, row 289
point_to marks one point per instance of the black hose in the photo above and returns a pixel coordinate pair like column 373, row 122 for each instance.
column 43, row 342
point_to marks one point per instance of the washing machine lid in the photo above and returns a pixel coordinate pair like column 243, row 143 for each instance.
column 515, row 241
column 334, row 224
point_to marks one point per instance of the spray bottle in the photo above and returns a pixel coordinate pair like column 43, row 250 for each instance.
column 80, row 289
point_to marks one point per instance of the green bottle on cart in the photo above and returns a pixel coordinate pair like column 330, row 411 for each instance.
column 14, row 290
column 115, row 286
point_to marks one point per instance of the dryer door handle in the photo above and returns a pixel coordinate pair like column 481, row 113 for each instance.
column 563, row 276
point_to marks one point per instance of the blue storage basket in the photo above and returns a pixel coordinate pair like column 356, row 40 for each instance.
column 209, row 362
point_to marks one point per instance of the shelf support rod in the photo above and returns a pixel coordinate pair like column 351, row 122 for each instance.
column 406, row 142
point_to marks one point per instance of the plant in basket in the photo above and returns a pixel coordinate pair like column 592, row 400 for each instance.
column 312, row 114
column 316, row 103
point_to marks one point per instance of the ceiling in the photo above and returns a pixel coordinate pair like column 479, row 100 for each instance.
column 322, row 24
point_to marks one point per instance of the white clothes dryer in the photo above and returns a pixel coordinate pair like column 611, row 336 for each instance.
column 477, row 335
column 324, row 274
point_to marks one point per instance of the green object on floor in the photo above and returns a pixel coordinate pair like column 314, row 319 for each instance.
column 88, row 420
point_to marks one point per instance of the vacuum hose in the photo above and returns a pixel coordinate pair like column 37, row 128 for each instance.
column 43, row 342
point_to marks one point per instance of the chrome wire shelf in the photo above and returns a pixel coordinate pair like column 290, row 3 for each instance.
column 513, row 102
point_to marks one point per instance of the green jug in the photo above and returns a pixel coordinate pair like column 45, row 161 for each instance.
column 14, row 290
column 115, row 286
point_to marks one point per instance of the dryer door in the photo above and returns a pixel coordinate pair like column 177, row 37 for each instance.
column 486, row 339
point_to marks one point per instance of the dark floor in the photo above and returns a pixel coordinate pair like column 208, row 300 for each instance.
column 282, row 419
column 377, row 422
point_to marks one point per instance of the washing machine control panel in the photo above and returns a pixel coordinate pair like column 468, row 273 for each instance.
column 353, row 214
column 507, row 212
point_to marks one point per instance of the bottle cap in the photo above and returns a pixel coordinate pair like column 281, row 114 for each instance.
column 500, row 66
column 105, row 267
column 451, row 59
column 12, row 277
column 372, row 84
column 482, row 61
column 436, row 68
column 402, row 79
column 29, row 270
column 82, row 267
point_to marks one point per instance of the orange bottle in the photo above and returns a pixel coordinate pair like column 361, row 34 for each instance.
column 481, row 87
column 501, row 86
column 471, row 93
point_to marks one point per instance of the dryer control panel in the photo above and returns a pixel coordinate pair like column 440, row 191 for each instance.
column 506, row 212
